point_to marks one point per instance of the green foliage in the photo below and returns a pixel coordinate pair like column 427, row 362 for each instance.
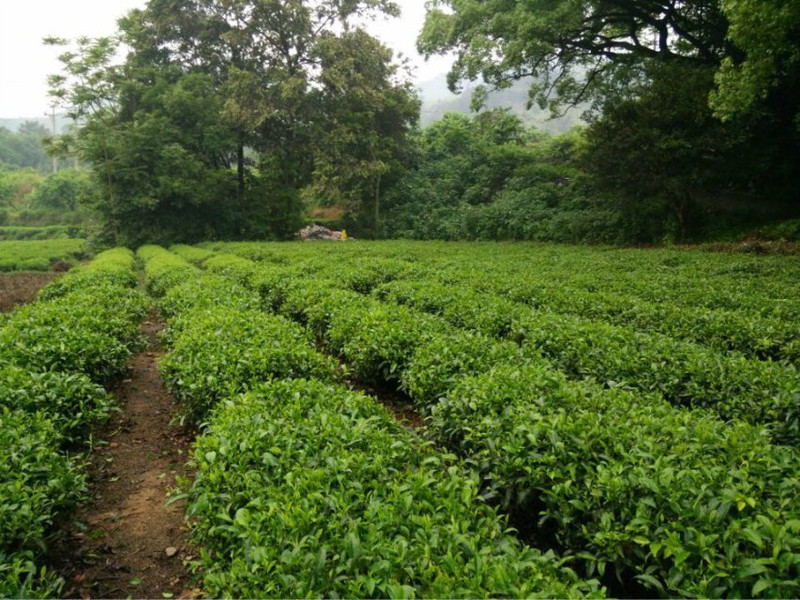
column 307, row 489
column 685, row 374
column 40, row 233
column 677, row 500
column 163, row 269
column 221, row 341
column 436, row 365
column 230, row 266
column 36, row 483
column 219, row 352
column 27, row 198
column 660, row 154
column 487, row 178
column 24, row 148
column 38, row 255
column 367, row 144
column 206, row 292
column 767, row 32
column 787, row 231
column 689, row 505
column 193, row 254
column 574, row 51
column 70, row 401
column 65, row 190
column 112, row 270
column 159, row 168
column 174, row 133
column 21, row 578
column 49, row 350
column 658, row 157
column 378, row 341
column 70, row 335
column 16, row 187
column 90, row 326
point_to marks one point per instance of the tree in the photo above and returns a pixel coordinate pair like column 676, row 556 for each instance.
column 575, row 50
column 206, row 82
column 622, row 54
column 152, row 135
column 65, row 190
column 260, row 53
column 16, row 187
column 277, row 68
column 24, row 148
column 463, row 161
column 768, row 34
column 367, row 117
column 657, row 150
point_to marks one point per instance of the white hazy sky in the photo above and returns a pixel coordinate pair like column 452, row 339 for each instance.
column 25, row 62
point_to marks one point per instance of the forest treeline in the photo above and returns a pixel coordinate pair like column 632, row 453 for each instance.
column 231, row 119
column 36, row 189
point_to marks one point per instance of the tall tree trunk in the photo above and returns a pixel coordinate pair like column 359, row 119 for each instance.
column 111, row 199
column 240, row 166
column 681, row 206
column 377, row 204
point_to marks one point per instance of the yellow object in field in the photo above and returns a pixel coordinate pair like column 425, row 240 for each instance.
column 344, row 235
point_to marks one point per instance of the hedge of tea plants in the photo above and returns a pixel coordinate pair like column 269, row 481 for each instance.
column 679, row 500
column 686, row 374
column 729, row 302
column 732, row 384
column 54, row 356
column 305, row 488
column 39, row 255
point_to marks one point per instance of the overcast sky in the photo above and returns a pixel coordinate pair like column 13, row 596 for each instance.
column 25, row 62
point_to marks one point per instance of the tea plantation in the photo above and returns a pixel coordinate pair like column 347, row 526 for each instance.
column 583, row 422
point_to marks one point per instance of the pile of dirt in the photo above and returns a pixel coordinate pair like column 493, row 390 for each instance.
column 318, row 232
column 19, row 288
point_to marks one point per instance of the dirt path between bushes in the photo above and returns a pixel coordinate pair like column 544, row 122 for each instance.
column 126, row 542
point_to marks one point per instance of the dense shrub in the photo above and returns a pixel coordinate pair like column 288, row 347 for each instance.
column 82, row 330
column 70, row 401
column 220, row 352
column 305, row 489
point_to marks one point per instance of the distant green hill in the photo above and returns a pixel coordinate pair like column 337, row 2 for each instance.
column 438, row 100
column 62, row 123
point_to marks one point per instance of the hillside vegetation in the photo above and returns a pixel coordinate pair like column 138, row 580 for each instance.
column 234, row 120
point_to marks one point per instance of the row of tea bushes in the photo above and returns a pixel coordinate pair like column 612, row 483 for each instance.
column 755, row 285
column 38, row 255
column 305, row 488
column 745, row 332
column 726, row 302
column 685, row 503
column 753, row 335
column 308, row 489
column 54, row 353
column 686, row 374
column 113, row 271
column 45, row 232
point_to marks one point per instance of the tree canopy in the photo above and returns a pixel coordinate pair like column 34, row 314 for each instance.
column 733, row 60
column 24, row 148
column 767, row 32
column 230, row 118
column 575, row 50
column 228, row 109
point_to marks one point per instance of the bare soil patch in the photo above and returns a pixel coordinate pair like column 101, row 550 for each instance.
column 126, row 542
column 397, row 403
column 19, row 288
